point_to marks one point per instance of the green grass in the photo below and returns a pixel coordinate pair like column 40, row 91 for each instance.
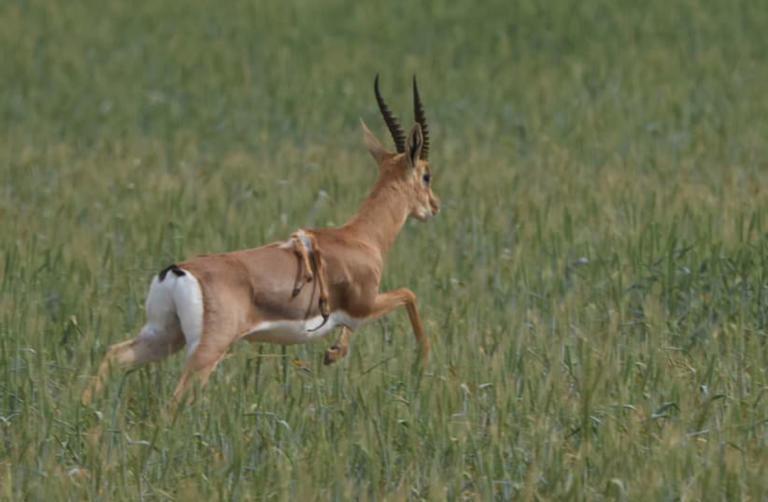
column 595, row 287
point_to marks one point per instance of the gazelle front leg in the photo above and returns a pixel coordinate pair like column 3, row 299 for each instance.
column 339, row 349
column 387, row 302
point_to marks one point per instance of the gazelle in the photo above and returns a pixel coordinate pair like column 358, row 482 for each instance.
column 210, row 301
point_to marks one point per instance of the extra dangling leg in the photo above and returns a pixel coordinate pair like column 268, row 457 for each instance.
column 305, row 269
column 311, row 258
column 319, row 266
column 319, row 263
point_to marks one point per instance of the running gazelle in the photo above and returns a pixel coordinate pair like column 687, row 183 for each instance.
column 210, row 301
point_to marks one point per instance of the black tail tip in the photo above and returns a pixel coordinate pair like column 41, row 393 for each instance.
column 171, row 268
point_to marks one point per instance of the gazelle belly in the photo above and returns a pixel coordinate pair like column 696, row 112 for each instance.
column 300, row 331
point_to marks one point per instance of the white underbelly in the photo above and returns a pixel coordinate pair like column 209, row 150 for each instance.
column 303, row 331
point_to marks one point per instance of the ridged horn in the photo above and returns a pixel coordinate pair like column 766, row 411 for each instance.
column 418, row 114
column 394, row 127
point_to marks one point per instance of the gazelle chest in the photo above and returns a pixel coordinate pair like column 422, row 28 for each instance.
column 289, row 332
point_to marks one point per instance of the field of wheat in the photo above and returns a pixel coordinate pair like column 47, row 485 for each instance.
column 595, row 287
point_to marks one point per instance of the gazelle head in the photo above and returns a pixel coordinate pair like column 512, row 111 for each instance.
column 408, row 167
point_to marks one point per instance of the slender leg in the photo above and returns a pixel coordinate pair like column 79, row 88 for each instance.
column 317, row 260
column 201, row 364
column 339, row 349
column 387, row 302
column 305, row 270
column 151, row 345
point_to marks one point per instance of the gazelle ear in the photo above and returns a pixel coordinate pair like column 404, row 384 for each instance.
column 414, row 144
column 373, row 144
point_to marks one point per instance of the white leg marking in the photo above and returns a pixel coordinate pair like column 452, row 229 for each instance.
column 300, row 331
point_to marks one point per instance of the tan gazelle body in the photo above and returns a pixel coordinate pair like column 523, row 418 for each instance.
column 210, row 301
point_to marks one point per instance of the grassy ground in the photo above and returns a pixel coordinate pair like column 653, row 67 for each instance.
column 595, row 288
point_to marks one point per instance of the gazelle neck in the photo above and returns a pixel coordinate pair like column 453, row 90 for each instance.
column 381, row 215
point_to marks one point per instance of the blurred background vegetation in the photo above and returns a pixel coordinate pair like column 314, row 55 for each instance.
column 594, row 287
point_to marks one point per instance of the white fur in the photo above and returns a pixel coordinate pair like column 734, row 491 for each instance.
column 305, row 240
column 172, row 304
column 303, row 237
column 424, row 213
column 292, row 332
column 189, row 307
column 162, row 326
column 177, row 303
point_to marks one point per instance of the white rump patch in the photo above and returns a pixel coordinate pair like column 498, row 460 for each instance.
column 189, row 307
column 176, row 300
column 293, row 332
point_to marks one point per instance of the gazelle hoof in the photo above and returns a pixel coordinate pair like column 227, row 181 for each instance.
column 325, row 311
column 334, row 354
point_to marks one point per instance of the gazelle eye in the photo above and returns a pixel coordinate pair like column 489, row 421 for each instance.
column 426, row 178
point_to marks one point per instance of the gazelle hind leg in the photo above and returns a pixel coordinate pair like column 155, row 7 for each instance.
column 152, row 344
column 339, row 349
column 201, row 362
column 162, row 334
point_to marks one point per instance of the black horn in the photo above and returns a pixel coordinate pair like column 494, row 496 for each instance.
column 394, row 127
column 418, row 114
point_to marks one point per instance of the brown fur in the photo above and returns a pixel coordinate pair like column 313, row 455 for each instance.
column 304, row 274
column 242, row 288
column 305, row 270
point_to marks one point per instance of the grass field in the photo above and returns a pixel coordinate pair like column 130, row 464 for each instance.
column 595, row 287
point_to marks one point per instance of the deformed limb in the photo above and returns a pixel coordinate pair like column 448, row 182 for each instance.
column 319, row 265
column 300, row 242
column 311, row 258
